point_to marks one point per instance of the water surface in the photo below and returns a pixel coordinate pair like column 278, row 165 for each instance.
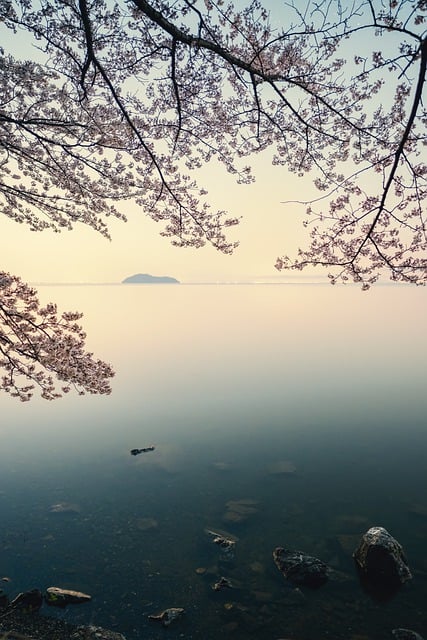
column 226, row 382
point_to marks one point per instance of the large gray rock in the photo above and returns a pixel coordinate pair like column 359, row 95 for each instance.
column 380, row 558
column 300, row 569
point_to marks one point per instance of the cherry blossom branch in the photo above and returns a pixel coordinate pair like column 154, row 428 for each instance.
column 39, row 349
column 153, row 87
column 403, row 140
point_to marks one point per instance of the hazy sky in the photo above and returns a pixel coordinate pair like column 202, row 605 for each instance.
column 268, row 228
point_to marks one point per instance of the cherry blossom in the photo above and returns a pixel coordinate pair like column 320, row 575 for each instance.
column 40, row 349
column 132, row 97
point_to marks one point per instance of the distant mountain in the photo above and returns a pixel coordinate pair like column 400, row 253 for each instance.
column 146, row 278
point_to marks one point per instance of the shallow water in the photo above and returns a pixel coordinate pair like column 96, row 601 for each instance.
column 226, row 382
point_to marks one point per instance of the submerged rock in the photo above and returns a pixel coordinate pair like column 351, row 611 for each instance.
column 145, row 524
column 57, row 597
column 406, row 634
column 282, row 468
column 64, row 507
column 223, row 583
column 257, row 567
column 96, row 633
column 27, row 601
column 380, row 558
column 167, row 616
column 240, row 510
column 300, row 569
column 225, row 542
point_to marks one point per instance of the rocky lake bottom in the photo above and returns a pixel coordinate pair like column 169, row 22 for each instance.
column 146, row 533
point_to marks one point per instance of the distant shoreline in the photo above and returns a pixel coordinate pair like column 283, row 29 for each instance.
column 151, row 284
column 210, row 283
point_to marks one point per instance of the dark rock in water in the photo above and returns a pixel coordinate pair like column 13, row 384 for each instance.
column 300, row 569
column 57, row 597
column 223, row 583
column 406, row 634
column 225, row 541
column 226, row 545
column 28, row 601
column 167, row 616
column 136, row 452
column 380, row 559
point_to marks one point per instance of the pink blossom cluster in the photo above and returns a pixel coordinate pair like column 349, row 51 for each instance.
column 40, row 349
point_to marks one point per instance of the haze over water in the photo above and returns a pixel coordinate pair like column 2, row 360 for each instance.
column 226, row 382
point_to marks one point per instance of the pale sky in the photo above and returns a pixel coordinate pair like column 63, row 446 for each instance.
column 268, row 229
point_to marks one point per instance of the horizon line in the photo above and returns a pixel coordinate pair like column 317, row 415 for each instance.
column 189, row 282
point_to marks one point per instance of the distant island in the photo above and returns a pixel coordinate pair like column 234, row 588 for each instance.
column 146, row 278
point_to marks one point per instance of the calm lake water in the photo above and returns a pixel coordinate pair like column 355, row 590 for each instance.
column 232, row 385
